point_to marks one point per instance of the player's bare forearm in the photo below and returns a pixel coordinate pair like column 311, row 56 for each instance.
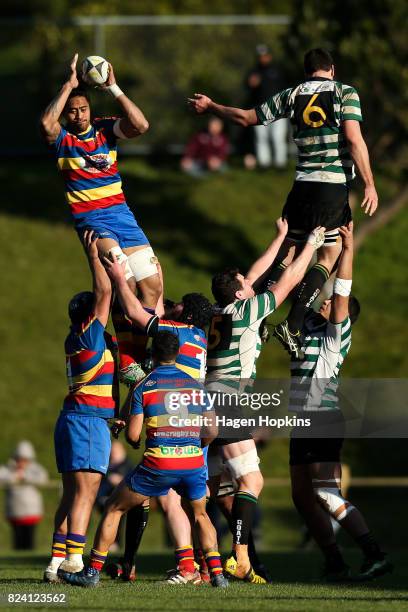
column 101, row 281
column 130, row 304
column 50, row 126
column 359, row 153
column 340, row 302
column 203, row 104
column 49, row 121
column 268, row 257
column 345, row 266
column 296, row 270
column 134, row 122
column 159, row 310
column 134, row 429
column 239, row 116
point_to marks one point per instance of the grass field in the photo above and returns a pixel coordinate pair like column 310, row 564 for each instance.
column 296, row 587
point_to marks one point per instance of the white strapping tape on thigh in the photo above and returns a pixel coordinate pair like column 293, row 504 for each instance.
column 243, row 464
column 143, row 263
column 121, row 257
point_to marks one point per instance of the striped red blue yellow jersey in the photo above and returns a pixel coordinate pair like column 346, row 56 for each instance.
column 172, row 443
column 88, row 164
column 192, row 355
column 91, row 370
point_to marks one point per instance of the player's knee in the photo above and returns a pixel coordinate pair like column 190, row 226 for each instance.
column 245, row 469
column 333, row 502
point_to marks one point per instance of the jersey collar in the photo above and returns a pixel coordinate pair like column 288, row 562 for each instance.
column 318, row 78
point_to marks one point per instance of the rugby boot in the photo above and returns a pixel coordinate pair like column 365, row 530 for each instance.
column 290, row 342
column 231, row 567
column 114, row 570
column 263, row 572
column 182, row 577
column 88, row 577
column 121, row 569
column 219, row 581
column 131, row 375
column 374, row 568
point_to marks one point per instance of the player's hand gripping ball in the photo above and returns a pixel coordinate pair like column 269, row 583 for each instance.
column 95, row 70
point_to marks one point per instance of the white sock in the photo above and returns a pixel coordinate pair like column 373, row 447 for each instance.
column 55, row 563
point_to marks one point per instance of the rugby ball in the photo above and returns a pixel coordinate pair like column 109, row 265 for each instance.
column 95, row 70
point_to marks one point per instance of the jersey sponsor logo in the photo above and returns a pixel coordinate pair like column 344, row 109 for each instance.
column 97, row 163
column 180, row 451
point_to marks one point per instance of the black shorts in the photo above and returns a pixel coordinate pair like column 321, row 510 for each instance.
column 303, row 451
column 225, row 441
column 321, row 441
column 310, row 204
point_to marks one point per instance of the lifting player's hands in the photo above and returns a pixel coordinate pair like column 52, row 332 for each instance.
column 73, row 78
column 114, row 269
column 89, row 241
column 370, row 202
column 346, row 232
column 282, row 227
column 316, row 237
column 111, row 80
column 199, row 104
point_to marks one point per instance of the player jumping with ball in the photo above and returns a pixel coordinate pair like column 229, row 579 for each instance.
column 86, row 153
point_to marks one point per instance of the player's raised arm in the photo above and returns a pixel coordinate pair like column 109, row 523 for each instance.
column 264, row 262
column 359, row 153
column 201, row 104
column 130, row 304
column 134, row 122
column 296, row 270
column 342, row 284
column 102, row 287
column 50, row 125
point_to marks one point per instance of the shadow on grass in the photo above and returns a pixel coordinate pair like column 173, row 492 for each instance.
column 161, row 202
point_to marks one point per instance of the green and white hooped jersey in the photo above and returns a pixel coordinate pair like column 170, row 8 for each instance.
column 314, row 380
column 234, row 342
column 316, row 109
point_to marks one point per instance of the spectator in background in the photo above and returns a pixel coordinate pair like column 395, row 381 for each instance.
column 263, row 81
column 119, row 466
column 24, row 504
column 207, row 151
